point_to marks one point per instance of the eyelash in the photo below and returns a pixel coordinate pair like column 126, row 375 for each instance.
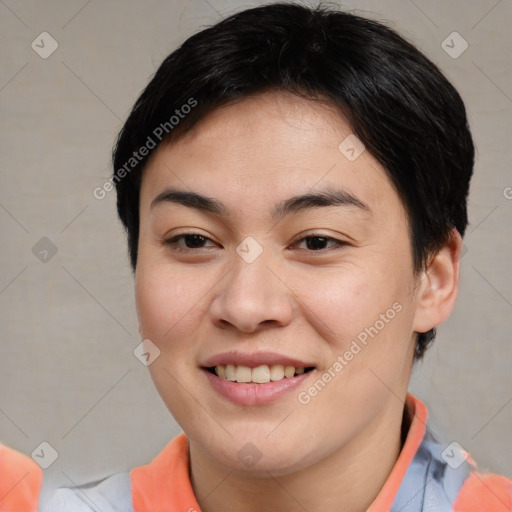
column 173, row 242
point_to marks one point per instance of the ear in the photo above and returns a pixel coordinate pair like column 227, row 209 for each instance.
column 438, row 285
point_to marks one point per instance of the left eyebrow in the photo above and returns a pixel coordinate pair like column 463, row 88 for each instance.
column 295, row 204
column 322, row 198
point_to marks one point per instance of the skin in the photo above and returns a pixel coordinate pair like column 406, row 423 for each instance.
column 335, row 452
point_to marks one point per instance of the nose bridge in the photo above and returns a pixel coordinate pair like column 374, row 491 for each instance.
column 252, row 276
column 251, row 294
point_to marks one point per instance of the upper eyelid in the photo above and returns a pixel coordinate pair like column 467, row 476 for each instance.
column 315, row 235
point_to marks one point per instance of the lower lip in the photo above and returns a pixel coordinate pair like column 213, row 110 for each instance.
column 245, row 393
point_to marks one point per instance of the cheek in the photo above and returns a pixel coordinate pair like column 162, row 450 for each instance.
column 170, row 304
column 344, row 299
column 366, row 314
column 169, row 300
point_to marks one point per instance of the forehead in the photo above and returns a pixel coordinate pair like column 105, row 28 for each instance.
column 265, row 148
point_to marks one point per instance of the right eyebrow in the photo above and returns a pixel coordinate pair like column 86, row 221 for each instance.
column 191, row 200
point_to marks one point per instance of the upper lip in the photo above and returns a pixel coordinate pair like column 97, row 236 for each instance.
column 254, row 359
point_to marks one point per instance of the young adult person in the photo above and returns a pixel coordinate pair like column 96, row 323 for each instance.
column 293, row 182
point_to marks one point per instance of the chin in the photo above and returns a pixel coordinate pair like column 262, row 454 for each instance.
column 259, row 456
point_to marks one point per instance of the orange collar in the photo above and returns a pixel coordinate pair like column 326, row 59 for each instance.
column 418, row 412
column 164, row 484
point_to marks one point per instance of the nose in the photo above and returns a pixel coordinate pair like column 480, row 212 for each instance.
column 252, row 296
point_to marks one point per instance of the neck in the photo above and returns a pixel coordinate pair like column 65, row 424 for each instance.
column 347, row 481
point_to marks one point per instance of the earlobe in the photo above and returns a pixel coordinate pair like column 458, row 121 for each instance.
column 439, row 282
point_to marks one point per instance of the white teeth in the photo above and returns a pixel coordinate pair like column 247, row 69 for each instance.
column 260, row 374
column 221, row 371
column 276, row 372
column 289, row 371
column 243, row 374
column 230, row 372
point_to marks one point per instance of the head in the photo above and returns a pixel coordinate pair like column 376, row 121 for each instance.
column 274, row 103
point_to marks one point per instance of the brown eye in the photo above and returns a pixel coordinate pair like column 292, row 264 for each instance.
column 187, row 241
column 318, row 243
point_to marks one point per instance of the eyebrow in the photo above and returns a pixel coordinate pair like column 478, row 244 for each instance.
column 323, row 198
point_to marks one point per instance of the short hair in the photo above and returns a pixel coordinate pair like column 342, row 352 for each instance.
column 396, row 101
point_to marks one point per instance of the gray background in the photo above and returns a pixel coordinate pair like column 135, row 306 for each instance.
column 67, row 372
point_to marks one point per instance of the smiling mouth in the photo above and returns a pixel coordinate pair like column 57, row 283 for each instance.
column 258, row 375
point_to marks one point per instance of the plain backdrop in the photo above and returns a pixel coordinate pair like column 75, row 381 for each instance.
column 68, row 376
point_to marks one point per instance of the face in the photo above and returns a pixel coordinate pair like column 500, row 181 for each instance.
column 262, row 247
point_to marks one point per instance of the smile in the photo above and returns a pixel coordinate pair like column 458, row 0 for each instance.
column 261, row 374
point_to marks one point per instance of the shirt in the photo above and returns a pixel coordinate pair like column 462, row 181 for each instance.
column 20, row 482
column 427, row 477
